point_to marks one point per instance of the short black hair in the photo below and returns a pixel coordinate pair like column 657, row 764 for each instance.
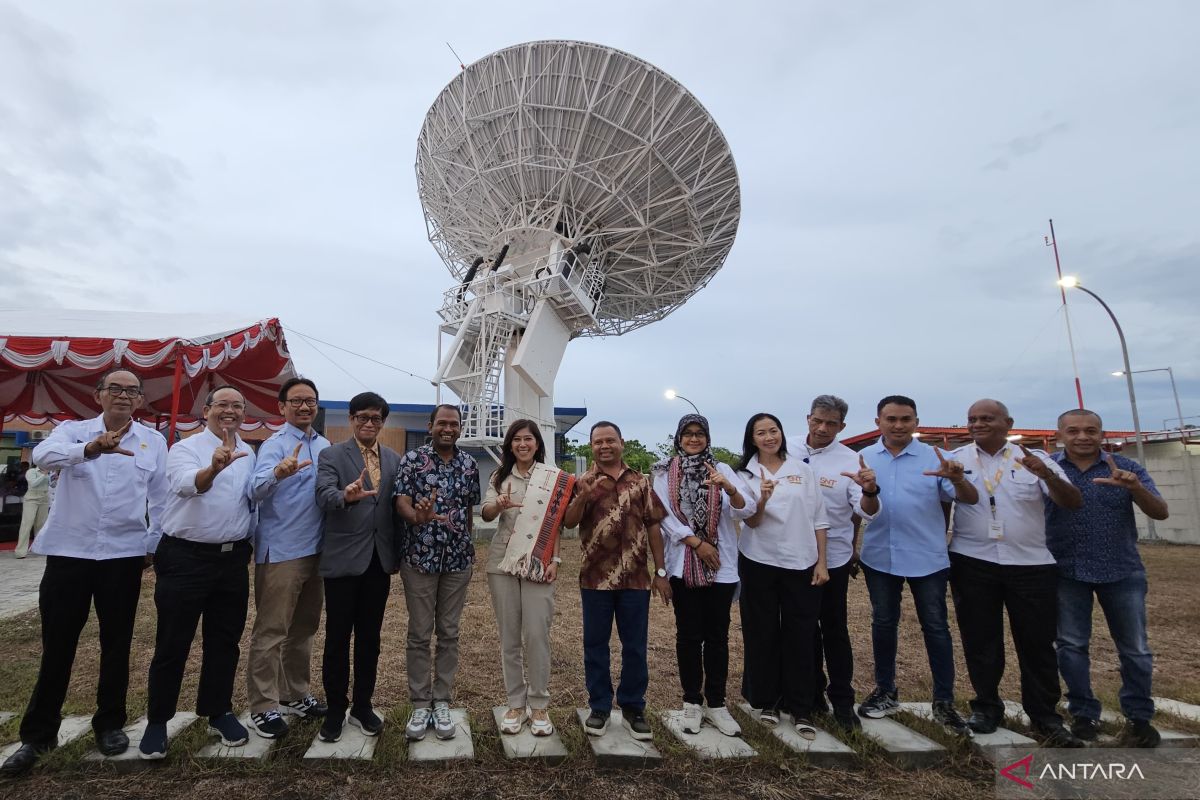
column 605, row 424
column 1079, row 412
column 297, row 381
column 896, row 399
column 440, row 406
column 208, row 400
column 365, row 400
column 102, row 381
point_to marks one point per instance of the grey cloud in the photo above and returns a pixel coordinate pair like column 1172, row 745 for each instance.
column 1022, row 146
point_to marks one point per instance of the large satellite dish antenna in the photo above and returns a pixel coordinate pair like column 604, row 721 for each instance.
column 572, row 190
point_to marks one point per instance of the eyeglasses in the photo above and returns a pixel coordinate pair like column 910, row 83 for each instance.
column 115, row 390
column 296, row 402
column 225, row 405
column 368, row 419
column 693, row 435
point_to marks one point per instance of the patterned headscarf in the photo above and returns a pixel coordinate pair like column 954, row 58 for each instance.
column 693, row 499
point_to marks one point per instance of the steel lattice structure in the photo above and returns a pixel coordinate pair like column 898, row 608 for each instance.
column 594, row 146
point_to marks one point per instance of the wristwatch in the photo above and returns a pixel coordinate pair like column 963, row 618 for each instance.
column 660, row 572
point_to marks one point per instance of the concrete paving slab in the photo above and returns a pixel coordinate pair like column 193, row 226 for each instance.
column 616, row 748
column 354, row 744
column 19, row 581
column 70, row 730
column 1170, row 738
column 525, row 746
column 824, row 751
column 256, row 747
column 432, row 748
column 1181, row 710
column 984, row 743
column 5, row 716
column 709, row 743
column 902, row 744
column 131, row 758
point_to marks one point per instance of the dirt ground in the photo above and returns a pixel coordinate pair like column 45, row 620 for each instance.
column 1174, row 624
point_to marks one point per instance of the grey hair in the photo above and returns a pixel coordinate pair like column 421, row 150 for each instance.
column 831, row 402
column 1003, row 408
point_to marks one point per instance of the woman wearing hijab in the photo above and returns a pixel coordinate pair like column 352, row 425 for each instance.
column 530, row 499
column 782, row 567
column 703, row 498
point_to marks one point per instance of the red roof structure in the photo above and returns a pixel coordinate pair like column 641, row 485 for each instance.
column 50, row 361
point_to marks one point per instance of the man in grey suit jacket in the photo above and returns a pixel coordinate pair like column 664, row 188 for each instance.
column 355, row 486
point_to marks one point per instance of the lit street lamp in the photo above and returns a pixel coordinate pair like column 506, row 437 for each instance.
column 671, row 394
column 1174, row 389
column 1071, row 282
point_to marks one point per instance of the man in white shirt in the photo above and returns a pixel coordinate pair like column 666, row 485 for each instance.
column 999, row 560
column 201, row 566
column 96, row 544
column 849, row 490
column 35, row 505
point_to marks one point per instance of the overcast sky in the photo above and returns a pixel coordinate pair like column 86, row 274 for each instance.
column 898, row 163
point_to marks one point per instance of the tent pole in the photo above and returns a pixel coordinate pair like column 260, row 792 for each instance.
column 175, row 395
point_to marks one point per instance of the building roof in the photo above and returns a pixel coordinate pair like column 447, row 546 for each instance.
column 958, row 435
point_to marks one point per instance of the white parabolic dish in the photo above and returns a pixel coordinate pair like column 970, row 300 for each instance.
column 595, row 146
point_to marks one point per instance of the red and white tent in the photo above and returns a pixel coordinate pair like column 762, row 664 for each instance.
column 50, row 361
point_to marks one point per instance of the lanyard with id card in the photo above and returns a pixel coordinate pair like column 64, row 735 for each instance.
column 995, row 525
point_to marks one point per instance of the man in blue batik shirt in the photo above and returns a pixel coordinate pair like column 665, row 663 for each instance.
column 1096, row 551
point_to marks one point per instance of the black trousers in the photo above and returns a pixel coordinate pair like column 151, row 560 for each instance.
column 780, row 608
column 68, row 589
column 354, row 605
column 832, row 644
column 702, row 640
column 982, row 590
column 195, row 582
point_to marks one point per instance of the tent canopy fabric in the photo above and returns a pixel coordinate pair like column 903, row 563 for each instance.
column 50, row 360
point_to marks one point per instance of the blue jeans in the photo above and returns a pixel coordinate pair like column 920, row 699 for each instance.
column 929, row 595
column 631, row 608
column 1124, row 606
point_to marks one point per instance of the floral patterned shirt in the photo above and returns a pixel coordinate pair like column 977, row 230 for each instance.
column 612, row 533
column 437, row 547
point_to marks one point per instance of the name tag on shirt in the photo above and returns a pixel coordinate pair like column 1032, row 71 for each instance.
column 795, row 479
column 996, row 529
column 827, row 483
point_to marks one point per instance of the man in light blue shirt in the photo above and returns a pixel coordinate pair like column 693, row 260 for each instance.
column 288, row 592
column 907, row 542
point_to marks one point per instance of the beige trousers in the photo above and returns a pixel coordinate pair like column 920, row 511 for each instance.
column 33, row 517
column 524, row 612
column 435, row 603
column 287, row 599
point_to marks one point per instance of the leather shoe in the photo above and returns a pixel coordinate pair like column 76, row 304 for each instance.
column 23, row 760
column 112, row 743
column 981, row 723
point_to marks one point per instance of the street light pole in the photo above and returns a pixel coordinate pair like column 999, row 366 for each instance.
column 1070, row 282
column 671, row 394
column 1174, row 389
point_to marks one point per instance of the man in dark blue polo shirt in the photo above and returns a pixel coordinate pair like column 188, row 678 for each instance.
column 1096, row 551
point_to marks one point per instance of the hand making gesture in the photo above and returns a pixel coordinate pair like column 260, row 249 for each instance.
column 766, row 487
column 504, row 501
column 1121, row 478
column 715, row 477
column 291, row 465
column 227, row 453
column 1034, row 464
column 355, row 490
column 865, row 477
column 426, row 509
column 108, row 442
column 952, row 470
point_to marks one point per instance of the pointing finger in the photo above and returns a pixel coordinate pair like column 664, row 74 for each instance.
column 1025, row 450
column 238, row 454
column 941, row 458
column 362, row 476
column 1112, row 462
column 296, row 452
column 762, row 474
column 121, row 452
column 304, row 464
column 124, row 429
column 862, row 462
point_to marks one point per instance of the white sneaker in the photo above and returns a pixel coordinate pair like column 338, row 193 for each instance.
column 418, row 723
column 443, row 724
column 512, row 721
column 539, row 722
column 693, row 718
column 722, row 720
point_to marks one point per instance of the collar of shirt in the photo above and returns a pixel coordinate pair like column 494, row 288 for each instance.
column 909, row 450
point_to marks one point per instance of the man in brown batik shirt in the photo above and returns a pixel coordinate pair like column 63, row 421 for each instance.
column 618, row 515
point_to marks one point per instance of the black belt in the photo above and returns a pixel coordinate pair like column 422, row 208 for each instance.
column 209, row 547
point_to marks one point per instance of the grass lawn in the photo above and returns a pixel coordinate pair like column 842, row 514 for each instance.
column 1174, row 629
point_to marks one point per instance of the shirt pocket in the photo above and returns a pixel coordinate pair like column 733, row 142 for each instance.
column 1024, row 484
column 144, row 467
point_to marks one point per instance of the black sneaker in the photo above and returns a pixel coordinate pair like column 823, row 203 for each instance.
column 154, row 742
column 306, row 707
column 1086, row 728
column 880, row 703
column 846, row 719
column 367, row 721
column 232, row 732
column 269, row 724
column 331, row 728
column 948, row 717
column 596, row 723
column 112, row 743
column 1140, row 733
column 1056, row 736
column 979, row 722
column 634, row 721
